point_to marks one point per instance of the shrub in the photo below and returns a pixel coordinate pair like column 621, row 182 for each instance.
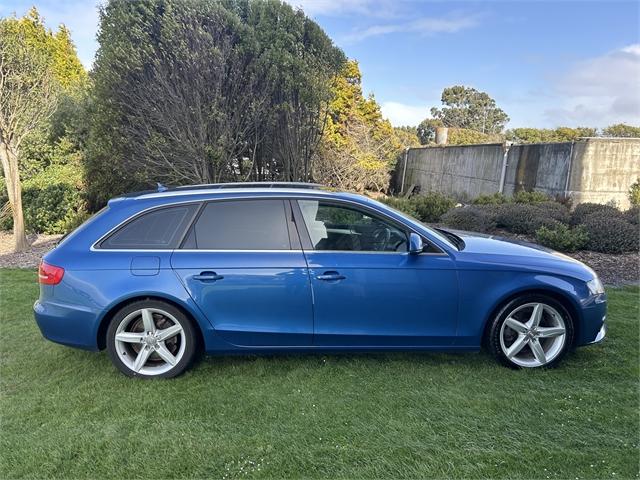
column 633, row 215
column 585, row 209
column 493, row 199
column 432, row 206
column 611, row 234
column 531, row 197
column 527, row 218
column 426, row 208
column 403, row 204
column 470, row 218
column 634, row 193
column 561, row 237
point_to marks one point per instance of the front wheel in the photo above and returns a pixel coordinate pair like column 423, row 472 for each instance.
column 531, row 331
column 151, row 338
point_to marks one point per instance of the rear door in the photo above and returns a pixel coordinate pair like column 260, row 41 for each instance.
column 242, row 264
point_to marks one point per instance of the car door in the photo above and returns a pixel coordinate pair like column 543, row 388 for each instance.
column 368, row 290
column 242, row 264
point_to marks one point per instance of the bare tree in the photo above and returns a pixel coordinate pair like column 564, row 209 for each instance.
column 28, row 96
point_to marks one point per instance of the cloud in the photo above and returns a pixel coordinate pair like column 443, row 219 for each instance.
column 400, row 114
column 423, row 26
column 368, row 8
column 600, row 91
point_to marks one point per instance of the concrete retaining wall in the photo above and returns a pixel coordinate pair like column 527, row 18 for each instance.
column 596, row 170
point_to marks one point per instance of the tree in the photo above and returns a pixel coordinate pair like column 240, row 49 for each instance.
column 621, row 130
column 209, row 91
column 359, row 147
column 407, row 136
column 28, row 94
column 542, row 135
column 468, row 108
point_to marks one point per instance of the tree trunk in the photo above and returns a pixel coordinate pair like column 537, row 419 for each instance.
column 14, row 191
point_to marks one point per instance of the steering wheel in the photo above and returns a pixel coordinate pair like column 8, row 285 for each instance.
column 381, row 236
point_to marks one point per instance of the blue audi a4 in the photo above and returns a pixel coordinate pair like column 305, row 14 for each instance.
column 157, row 278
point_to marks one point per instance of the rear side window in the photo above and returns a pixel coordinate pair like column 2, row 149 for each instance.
column 241, row 225
column 158, row 229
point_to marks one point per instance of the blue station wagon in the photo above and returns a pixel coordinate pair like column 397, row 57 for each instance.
column 159, row 277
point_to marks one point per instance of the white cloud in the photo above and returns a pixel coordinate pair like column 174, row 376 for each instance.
column 424, row 26
column 400, row 114
column 600, row 91
column 369, row 8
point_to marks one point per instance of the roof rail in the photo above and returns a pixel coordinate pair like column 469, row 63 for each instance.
column 208, row 186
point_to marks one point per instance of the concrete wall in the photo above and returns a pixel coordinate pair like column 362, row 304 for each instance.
column 591, row 170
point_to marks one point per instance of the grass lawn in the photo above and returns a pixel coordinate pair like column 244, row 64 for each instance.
column 69, row 413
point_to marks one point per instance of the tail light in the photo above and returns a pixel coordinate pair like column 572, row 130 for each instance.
column 49, row 274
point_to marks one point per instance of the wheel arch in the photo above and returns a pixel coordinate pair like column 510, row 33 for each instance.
column 561, row 297
column 106, row 318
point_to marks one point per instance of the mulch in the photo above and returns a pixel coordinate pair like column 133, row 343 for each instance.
column 615, row 270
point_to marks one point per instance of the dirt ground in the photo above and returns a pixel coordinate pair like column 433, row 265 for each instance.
column 623, row 269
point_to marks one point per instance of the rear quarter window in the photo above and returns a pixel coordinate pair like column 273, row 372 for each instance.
column 162, row 228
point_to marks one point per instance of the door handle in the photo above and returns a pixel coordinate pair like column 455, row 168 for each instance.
column 208, row 277
column 330, row 276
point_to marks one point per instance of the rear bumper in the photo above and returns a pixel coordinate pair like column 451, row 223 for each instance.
column 67, row 324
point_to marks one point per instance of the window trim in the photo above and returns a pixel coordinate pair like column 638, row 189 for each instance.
column 97, row 245
column 306, row 238
column 292, row 232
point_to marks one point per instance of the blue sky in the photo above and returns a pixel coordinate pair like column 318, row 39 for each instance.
column 546, row 63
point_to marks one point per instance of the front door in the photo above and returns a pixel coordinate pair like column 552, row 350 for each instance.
column 242, row 264
column 368, row 290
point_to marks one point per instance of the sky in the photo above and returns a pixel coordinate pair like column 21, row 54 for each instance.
column 546, row 63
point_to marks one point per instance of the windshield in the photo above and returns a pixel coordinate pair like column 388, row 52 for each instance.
column 439, row 235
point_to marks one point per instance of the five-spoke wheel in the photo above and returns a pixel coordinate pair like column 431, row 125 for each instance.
column 150, row 338
column 531, row 331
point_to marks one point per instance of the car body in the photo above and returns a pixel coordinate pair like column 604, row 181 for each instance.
column 278, row 268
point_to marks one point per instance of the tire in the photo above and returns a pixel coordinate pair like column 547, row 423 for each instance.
column 517, row 341
column 151, row 339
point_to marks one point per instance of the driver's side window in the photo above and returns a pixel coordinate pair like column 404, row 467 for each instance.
column 338, row 228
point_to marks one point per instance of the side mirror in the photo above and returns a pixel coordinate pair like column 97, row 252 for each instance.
column 415, row 244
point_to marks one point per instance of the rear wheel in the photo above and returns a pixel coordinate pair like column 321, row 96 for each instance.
column 531, row 331
column 151, row 338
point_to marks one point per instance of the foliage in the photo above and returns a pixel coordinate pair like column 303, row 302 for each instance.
column 546, row 135
column 470, row 218
column 611, row 234
column 491, row 199
column 531, row 197
column 584, row 209
column 405, row 205
column 426, row 130
column 621, row 130
column 426, row 208
column 407, row 136
column 526, row 218
column 563, row 238
column 39, row 72
column 359, row 147
column 200, row 92
column 633, row 215
column 634, row 193
column 465, row 136
column 432, row 206
column 468, row 108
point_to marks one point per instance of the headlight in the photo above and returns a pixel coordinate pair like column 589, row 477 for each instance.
column 595, row 286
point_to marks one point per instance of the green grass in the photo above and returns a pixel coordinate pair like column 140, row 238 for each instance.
column 68, row 413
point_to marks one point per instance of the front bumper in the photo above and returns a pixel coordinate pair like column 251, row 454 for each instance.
column 602, row 333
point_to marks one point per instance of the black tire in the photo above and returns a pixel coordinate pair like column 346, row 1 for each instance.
column 188, row 336
column 494, row 331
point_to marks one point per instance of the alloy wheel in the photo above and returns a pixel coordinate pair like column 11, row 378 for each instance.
column 150, row 341
column 533, row 335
